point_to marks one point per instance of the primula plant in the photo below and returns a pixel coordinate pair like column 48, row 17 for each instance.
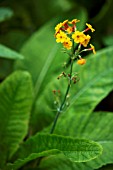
column 56, row 100
column 68, row 34
column 44, row 131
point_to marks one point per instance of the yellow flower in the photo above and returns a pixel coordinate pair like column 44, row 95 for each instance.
column 67, row 44
column 93, row 48
column 61, row 37
column 65, row 22
column 90, row 27
column 69, row 30
column 81, row 61
column 58, row 26
column 86, row 40
column 78, row 37
column 74, row 21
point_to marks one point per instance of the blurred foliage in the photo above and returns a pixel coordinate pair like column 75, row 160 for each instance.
column 30, row 16
column 5, row 13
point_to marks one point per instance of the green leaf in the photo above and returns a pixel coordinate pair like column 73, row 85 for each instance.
column 101, row 133
column 95, row 82
column 59, row 162
column 98, row 127
column 8, row 53
column 15, row 105
column 105, row 158
column 94, row 85
column 5, row 13
column 77, row 150
column 84, row 125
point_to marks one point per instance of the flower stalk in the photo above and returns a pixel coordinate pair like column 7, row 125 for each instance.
column 59, row 110
column 67, row 34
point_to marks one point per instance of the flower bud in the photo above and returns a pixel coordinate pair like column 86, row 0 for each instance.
column 81, row 61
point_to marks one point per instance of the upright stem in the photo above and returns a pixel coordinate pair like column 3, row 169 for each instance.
column 63, row 103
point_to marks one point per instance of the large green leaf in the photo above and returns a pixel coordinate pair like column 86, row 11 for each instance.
column 8, row 53
column 94, row 85
column 98, row 127
column 77, row 150
column 105, row 158
column 95, row 82
column 102, row 133
column 15, row 105
column 5, row 13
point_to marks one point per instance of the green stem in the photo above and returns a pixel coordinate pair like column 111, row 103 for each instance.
column 63, row 103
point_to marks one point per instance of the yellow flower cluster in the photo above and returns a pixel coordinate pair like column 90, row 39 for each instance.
column 66, row 32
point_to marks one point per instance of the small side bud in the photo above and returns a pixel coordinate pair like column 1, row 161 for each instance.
column 81, row 61
column 59, row 76
column 67, row 104
column 59, row 92
column 69, row 75
column 68, row 96
column 62, row 74
column 54, row 91
column 55, row 103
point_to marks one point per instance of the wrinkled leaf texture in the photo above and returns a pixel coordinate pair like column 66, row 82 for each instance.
column 15, row 105
column 77, row 150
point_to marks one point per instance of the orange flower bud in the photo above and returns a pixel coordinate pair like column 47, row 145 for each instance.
column 81, row 61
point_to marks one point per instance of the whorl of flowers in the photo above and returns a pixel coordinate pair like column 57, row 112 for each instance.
column 67, row 33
